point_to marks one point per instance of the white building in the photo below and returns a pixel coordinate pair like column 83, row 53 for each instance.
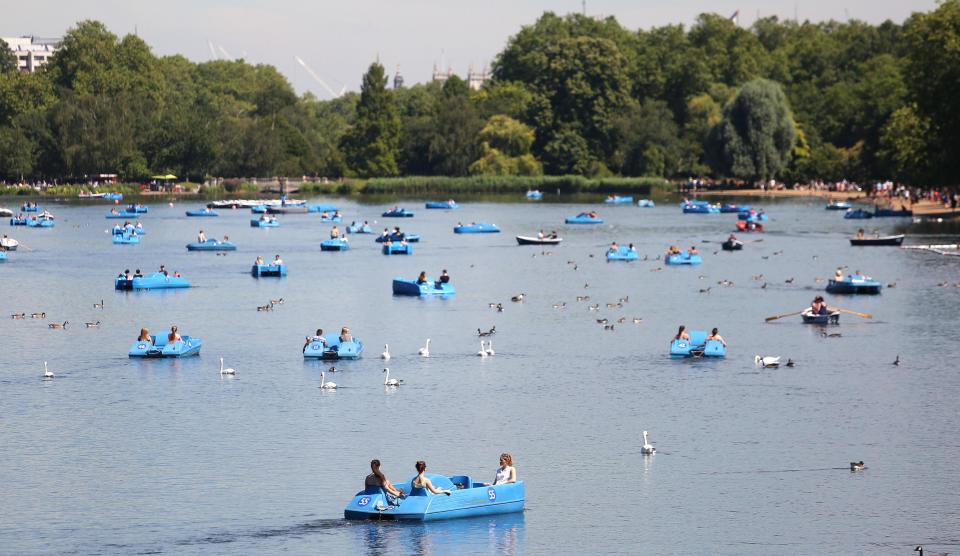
column 475, row 79
column 32, row 52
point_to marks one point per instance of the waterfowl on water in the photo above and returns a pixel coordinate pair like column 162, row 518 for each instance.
column 517, row 298
column 767, row 361
column 897, row 360
column 425, row 350
column 18, row 316
column 830, row 335
column 92, row 324
column 58, row 325
column 387, row 381
column 919, row 549
column 98, row 305
column 790, row 362
column 47, row 373
column 647, row 448
column 483, row 349
column 38, row 315
column 857, row 466
column 386, row 352
column 326, row 385
column 228, row 370
column 490, row 351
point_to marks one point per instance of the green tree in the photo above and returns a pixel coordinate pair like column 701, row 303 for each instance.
column 506, row 149
column 904, row 145
column 8, row 60
column 756, row 134
column 372, row 145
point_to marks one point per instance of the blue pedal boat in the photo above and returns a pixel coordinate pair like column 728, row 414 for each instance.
column 113, row 196
column 269, row 222
column 3, row 255
column 398, row 213
column 202, row 212
column 683, row 258
column 276, row 270
column 138, row 208
column 700, row 207
column 402, row 286
column 858, row 214
column 476, row 228
column 334, row 245
column 857, row 284
column 618, row 200
column 212, row 245
column 155, row 281
column 359, row 229
column 40, row 222
column 623, row 253
column 646, row 203
column 584, row 218
column 322, row 208
column 259, row 209
column 29, row 208
column 22, row 221
column 396, row 238
column 728, row 208
column 838, row 205
column 467, row 499
column 534, row 195
column 126, row 215
column 697, row 346
column 129, row 229
column 448, row 205
column 397, row 249
column 334, row 348
column 126, row 239
column 752, row 216
column 159, row 347
column 336, row 218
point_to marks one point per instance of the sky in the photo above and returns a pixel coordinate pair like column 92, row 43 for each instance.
column 339, row 40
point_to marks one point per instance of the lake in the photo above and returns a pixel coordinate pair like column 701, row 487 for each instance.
column 124, row 456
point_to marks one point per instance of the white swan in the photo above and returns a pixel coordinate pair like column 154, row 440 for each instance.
column 483, row 349
column 386, row 352
column 227, row 371
column 647, row 447
column 387, row 381
column 767, row 361
column 490, row 348
column 327, row 385
column 47, row 373
column 425, row 350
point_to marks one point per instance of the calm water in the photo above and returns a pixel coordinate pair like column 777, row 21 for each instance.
column 119, row 456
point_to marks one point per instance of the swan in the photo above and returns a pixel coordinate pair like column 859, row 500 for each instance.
column 387, row 381
column 327, row 385
column 767, row 361
column 227, row 371
column 47, row 373
column 647, row 447
column 490, row 348
column 386, row 352
column 425, row 350
column 483, row 349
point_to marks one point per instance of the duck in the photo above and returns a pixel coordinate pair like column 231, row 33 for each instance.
column 857, row 466
column 830, row 335
column 47, row 373
column 499, row 307
column 387, row 381
column 583, row 298
column 767, row 361
column 386, row 352
column 637, row 320
column 326, row 385
column 790, row 363
column 594, row 307
column 58, row 325
column 38, row 315
column 789, row 280
column 624, row 299
column 425, row 350
column 647, row 448
column 517, row 298
column 919, row 549
column 608, row 326
column 266, row 307
column 483, row 350
column 227, row 371
column 18, row 316
column 92, row 324
column 601, row 321
column 621, row 320
column 276, row 301
column 98, row 305
column 560, row 305
column 490, row 351
column 897, row 360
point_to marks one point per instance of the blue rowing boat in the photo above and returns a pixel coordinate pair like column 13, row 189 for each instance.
column 467, row 499
column 155, row 281
column 622, row 253
column 126, row 239
column 402, row 286
column 397, row 249
column 212, row 245
column 398, row 213
column 856, row 284
column 268, row 222
column 276, row 270
column 584, row 218
column 446, row 205
column 340, row 244
column 27, row 207
column 476, row 228
column 333, row 348
column 202, row 212
column 355, row 228
column 138, row 208
column 683, row 258
column 160, row 347
column 128, row 229
column 396, row 238
column 700, row 207
column 122, row 214
column 40, row 222
column 113, row 196
column 858, row 214
column 728, row 208
column 697, row 346
column 618, row 200
column 22, row 221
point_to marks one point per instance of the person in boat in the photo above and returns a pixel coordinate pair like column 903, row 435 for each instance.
column 506, row 473
column 682, row 334
column 259, row 260
column 631, row 248
column 126, row 274
column 378, row 479
column 733, row 239
column 318, row 337
column 420, row 481
column 138, row 274
column 673, row 250
column 693, row 250
column 614, row 248
column 365, row 223
column 444, row 279
column 201, row 237
column 324, row 215
column 553, row 234
column 714, row 335
column 226, row 238
column 163, row 270
column 592, row 214
column 145, row 336
column 861, row 234
column 263, row 218
column 335, row 233
column 386, row 234
column 174, row 336
column 114, row 211
column 838, row 275
column 540, row 234
column 138, row 226
column 336, row 214
column 819, row 306
column 422, row 279
column 345, row 335
column 277, row 261
column 388, row 242
column 177, row 274
column 403, row 242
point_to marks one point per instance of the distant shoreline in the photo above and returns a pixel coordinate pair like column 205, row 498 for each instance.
column 779, row 193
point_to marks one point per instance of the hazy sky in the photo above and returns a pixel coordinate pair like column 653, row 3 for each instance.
column 338, row 40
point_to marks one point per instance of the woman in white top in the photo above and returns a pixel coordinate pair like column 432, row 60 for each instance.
column 506, row 473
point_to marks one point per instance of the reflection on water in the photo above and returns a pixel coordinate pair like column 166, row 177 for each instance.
column 501, row 534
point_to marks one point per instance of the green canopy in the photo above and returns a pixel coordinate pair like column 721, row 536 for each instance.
column 166, row 177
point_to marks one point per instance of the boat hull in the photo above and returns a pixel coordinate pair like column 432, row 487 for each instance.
column 732, row 245
column 583, row 220
column 334, row 349
column 856, row 286
column 201, row 213
column 397, row 249
column 887, row 240
column 830, row 318
column 260, row 270
column 481, row 228
column 397, row 238
column 155, row 281
column 125, row 239
column 858, row 214
column 257, row 223
column 617, row 200
column 212, row 245
column 473, row 499
column 838, row 206
column 683, row 258
column 622, row 254
column 401, row 213
column 526, row 240
column 429, row 288
column 443, row 205
column 890, row 213
column 334, row 245
column 122, row 215
column 160, row 348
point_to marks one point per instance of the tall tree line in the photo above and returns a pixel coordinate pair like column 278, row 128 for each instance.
column 569, row 95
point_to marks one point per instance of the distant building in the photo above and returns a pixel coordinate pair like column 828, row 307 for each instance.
column 32, row 52
column 475, row 79
column 397, row 79
column 440, row 75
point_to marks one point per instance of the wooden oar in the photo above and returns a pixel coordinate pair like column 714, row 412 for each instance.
column 864, row 315
column 768, row 319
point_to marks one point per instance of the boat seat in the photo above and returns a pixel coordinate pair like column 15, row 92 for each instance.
column 698, row 337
